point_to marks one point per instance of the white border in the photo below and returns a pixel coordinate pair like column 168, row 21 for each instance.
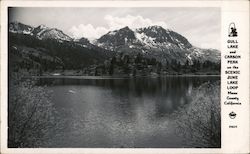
column 233, row 141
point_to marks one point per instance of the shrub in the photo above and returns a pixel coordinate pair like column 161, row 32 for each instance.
column 31, row 115
column 199, row 123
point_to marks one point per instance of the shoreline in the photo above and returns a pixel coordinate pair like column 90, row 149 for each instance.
column 116, row 77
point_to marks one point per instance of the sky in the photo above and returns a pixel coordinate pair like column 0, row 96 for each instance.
column 201, row 26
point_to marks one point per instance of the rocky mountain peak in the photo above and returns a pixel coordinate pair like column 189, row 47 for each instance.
column 17, row 27
column 53, row 33
column 83, row 40
column 117, row 38
column 161, row 35
column 41, row 31
column 153, row 29
column 42, row 26
column 126, row 28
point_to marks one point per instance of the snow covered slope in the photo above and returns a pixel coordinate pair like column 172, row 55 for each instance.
column 41, row 32
column 155, row 41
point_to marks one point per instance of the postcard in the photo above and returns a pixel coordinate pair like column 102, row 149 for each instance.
column 124, row 77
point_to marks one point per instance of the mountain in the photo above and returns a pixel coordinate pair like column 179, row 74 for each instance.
column 84, row 42
column 155, row 41
column 158, row 36
column 124, row 51
column 152, row 37
column 112, row 40
column 16, row 27
column 46, row 49
column 41, row 32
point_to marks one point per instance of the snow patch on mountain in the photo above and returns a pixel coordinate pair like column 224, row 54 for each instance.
column 16, row 27
column 144, row 39
column 55, row 34
column 41, row 31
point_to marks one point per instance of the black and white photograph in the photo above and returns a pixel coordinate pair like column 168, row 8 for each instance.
column 114, row 77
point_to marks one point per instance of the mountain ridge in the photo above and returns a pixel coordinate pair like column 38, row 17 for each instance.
column 157, row 42
column 154, row 41
column 41, row 31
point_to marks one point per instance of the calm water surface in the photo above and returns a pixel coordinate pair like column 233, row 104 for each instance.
column 128, row 112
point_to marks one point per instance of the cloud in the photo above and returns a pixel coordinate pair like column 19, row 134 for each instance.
column 131, row 21
column 88, row 31
column 91, row 32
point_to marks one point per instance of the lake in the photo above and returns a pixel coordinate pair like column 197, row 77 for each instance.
column 120, row 112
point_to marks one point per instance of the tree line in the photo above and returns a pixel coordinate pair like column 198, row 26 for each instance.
column 52, row 55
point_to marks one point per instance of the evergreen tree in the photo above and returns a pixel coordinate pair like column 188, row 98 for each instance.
column 111, row 69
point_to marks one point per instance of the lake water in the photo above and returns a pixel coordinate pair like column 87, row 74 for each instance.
column 120, row 112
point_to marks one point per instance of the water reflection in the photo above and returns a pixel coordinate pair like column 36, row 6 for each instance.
column 130, row 112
